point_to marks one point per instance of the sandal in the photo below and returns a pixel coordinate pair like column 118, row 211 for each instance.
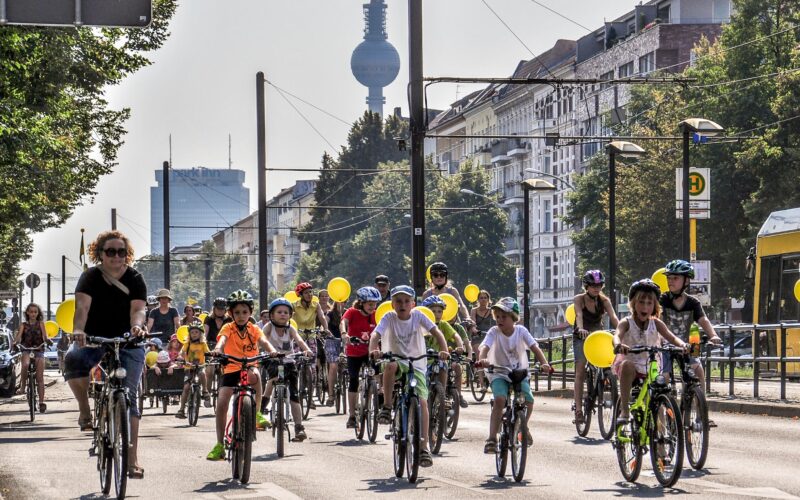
column 85, row 423
column 579, row 418
column 490, row 447
column 136, row 472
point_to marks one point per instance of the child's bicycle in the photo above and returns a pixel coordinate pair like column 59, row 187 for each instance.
column 437, row 412
column 340, row 385
column 31, row 389
column 280, row 412
column 655, row 422
column 367, row 401
column 599, row 396
column 477, row 382
column 513, row 434
column 694, row 411
column 192, row 376
column 452, row 400
column 240, row 431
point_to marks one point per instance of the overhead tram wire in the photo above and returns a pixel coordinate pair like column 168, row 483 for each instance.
column 308, row 103
column 290, row 103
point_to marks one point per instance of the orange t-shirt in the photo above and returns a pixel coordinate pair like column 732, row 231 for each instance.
column 240, row 345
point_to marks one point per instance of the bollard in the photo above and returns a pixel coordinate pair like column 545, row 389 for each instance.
column 563, row 361
column 783, row 362
column 550, row 362
column 732, row 366
column 756, row 364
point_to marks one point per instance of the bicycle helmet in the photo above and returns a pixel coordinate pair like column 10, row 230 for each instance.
column 368, row 294
column 593, row 277
column 644, row 285
column 403, row 290
column 195, row 325
column 240, row 297
column 280, row 302
column 152, row 300
column 434, row 301
column 507, row 304
column 220, row 302
column 197, row 309
column 302, row 287
column 438, row 267
column 680, row 267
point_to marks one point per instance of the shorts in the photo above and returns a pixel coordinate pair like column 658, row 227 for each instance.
column 289, row 375
column 577, row 349
column 333, row 347
column 36, row 354
column 354, row 364
column 422, row 386
column 79, row 361
column 501, row 386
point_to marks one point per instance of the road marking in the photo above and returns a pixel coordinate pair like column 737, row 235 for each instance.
column 758, row 491
column 261, row 490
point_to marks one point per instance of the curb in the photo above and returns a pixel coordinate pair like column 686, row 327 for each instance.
column 752, row 408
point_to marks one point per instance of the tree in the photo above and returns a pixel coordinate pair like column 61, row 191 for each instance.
column 54, row 118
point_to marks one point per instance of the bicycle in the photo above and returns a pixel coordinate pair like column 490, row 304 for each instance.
column 195, row 392
column 110, row 419
column 214, row 383
column 405, row 428
column 476, row 380
column 280, row 412
column 599, row 396
column 655, row 422
column 513, row 433
column 694, row 411
column 452, row 401
column 321, row 380
column 240, row 431
column 437, row 412
column 367, row 402
column 31, row 390
column 340, row 385
column 308, row 373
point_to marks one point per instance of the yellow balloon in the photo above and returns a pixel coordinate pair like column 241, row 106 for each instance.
column 471, row 292
column 428, row 274
column 151, row 358
column 569, row 314
column 339, row 289
column 293, row 323
column 427, row 312
column 202, row 317
column 65, row 314
column 451, row 306
column 599, row 349
column 51, row 327
column 183, row 334
column 382, row 309
column 797, row 290
column 291, row 296
column 660, row 277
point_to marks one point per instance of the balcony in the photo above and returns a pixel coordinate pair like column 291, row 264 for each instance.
column 544, row 125
column 500, row 152
column 518, row 147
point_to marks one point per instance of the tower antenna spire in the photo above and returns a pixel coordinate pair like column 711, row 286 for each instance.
column 375, row 62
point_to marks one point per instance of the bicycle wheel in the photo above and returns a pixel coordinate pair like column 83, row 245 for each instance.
column 605, row 405
column 142, row 385
column 587, row 404
column 372, row 412
column 666, row 440
column 31, row 395
column 215, row 389
column 398, row 442
column 519, row 445
column 322, row 383
column 453, row 413
column 119, row 443
column 245, row 437
column 626, row 444
column 279, row 425
column 345, row 383
column 361, row 413
column 695, row 421
column 233, row 434
column 437, row 419
column 477, row 384
column 501, row 452
column 101, row 433
column 413, row 430
column 194, row 404
column 305, row 393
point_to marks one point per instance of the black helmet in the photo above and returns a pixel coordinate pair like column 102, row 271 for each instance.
column 680, row 267
column 645, row 285
column 438, row 267
column 220, row 302
column 240, row 297
column 593, row 277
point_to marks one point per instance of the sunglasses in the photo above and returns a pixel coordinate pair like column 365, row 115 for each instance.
column 438, row 275
column 113, row 252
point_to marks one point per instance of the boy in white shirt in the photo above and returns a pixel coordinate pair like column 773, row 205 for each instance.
column 506, row 346
column 402, row 331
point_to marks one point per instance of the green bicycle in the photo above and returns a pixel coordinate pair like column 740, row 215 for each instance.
column 655, row 423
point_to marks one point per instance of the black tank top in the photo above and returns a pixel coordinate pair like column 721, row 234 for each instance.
column 592, row 321
column 483, row 323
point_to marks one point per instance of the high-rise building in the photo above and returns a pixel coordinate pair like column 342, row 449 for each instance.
column 208, row 197
column 375, row 62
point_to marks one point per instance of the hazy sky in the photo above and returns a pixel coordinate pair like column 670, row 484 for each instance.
column 201, row 87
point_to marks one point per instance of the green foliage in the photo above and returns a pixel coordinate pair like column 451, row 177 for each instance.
column 57, row 134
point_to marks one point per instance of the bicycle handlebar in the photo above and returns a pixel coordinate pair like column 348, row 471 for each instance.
column 654, row 349
column 22, row 348
column 126, row 339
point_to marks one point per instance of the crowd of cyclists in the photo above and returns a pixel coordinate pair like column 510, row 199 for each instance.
column 111, row 301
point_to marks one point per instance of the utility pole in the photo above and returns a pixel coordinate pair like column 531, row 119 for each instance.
column 113, row 219
column 49, row 282
column 208, row 283
column 417, row 127
column 63, row 278
column 263, row 284
column 165, row 186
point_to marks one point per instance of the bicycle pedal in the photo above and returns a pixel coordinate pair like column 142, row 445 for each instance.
column 387, row 437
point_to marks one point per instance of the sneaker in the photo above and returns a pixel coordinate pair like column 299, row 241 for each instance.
column 312, row 405
column 207, row 400
column 463, row 402
column 425, row 458
column 329, row 402
column 261, row 422
column 579, row 419
column 351, row 422
column 300, row 433
column 490, row 447
column 385, row 416
column 529, row 437
column 180, row 414
column 42, row 407
column 216, row 453
column 711, row 423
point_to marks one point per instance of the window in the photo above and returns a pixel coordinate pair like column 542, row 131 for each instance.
column 606, row 76
column 647, row 63
column 626, row 69
column 548, row 276
column 548, row 216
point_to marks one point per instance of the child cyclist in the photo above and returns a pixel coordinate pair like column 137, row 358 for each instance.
column 506, row 345
column 194, row 352
column 680, row 311
column 284, row 339
column 454, row 341
column 239, row 338
column 402, row 331
column 642, row 328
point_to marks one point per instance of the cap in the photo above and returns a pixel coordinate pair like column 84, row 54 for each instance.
column 381, row 278
column 403, row 290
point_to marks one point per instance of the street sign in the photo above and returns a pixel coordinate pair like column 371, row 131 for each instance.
column 108, row 13
column 8, row 294
column 701, row 284
column 699, row 193
column 32, row 280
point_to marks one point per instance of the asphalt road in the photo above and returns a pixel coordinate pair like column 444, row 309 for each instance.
column 750, row 456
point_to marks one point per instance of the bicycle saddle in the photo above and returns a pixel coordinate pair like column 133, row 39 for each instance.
column 518, row 375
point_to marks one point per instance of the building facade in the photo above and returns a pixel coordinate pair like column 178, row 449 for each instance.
column 213, row 198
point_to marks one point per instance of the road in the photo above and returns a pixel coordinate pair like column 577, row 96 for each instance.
column 751, row 456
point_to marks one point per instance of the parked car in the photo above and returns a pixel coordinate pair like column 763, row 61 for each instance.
column 10, row 365
column 742, row 349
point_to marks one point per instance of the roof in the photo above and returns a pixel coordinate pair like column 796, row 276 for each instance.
column 782, row 221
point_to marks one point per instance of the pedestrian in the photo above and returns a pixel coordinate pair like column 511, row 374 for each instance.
column 109, row 302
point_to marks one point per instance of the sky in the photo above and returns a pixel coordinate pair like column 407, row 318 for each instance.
column 201, row 88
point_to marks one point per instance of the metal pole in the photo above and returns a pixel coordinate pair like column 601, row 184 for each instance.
column 261, row 135
column 685, row 250
column 113, row 219
column 63, row 278
column 208, row 283
column 783, row 362
column 526, row 266
column 49, row 283
column 612, row 228
column 417, row 127
column 165, row 185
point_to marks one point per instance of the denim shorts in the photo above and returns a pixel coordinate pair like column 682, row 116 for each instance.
column 79, row 361
column 333, row 347
column 500, row 388
column 577, row 349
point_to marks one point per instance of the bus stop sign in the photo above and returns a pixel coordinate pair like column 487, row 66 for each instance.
column 108, row 13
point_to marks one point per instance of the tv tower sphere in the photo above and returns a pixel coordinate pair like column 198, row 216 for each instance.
column 375, row 62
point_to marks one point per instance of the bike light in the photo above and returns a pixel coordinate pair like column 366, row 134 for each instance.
column 661, row 380
column 413, row 382
column 690, row 372
column 120, row 373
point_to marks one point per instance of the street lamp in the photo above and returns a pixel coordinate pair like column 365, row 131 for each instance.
column 529, row 185
column 473, row 193
column 546, row 174
column 703, row 128
column 624, row 149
